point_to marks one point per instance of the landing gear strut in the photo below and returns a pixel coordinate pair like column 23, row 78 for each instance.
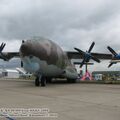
column 41, row 80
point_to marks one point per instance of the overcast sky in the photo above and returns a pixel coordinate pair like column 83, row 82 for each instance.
column 70, row 23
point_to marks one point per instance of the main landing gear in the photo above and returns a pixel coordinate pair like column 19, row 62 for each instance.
column 41, row 80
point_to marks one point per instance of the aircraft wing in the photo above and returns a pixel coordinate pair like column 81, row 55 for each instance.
column 76, row 55
column 8, row 55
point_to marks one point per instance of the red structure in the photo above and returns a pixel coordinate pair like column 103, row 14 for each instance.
column 87, row 76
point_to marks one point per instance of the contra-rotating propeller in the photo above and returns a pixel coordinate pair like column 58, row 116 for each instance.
column 87, row 55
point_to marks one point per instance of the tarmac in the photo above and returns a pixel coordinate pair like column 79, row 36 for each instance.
column 65, row 101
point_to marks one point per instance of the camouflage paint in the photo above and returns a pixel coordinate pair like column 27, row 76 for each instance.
column 51, row 59
column 44, row 49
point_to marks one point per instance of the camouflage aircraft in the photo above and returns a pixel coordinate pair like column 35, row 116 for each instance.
column 46, row 60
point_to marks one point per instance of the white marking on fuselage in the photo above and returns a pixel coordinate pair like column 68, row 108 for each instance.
column 35, row 66
column 30, row 66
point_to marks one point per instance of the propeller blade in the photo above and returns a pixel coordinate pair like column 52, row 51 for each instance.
column 110, row 65
column 112, row 51
column 80, row 51
column 95, row 59
column 91, row 47
column 82, row 63
column 2, row 47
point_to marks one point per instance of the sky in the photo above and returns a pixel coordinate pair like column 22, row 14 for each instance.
column 69, row 23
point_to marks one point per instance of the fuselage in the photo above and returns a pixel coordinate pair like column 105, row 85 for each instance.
column 44, row 57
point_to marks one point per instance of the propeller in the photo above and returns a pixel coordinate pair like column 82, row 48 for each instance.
column 87, row 55
column 1, row 49
column 115, row 56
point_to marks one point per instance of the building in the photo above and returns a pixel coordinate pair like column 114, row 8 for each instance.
column 97, row 76
column 106, row 75
column 10, row 73
column 14, row 73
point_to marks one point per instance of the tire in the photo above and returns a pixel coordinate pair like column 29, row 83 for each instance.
column 43, row 81
column 37, row 82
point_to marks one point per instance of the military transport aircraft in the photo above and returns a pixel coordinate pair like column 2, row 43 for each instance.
column 46, row 60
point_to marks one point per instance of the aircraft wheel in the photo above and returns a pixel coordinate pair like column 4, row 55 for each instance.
column 37, row 81
column 43, row 81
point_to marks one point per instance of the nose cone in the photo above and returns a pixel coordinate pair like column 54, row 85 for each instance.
column 34, row 48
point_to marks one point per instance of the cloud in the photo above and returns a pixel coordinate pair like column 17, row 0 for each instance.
column 69, row 23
